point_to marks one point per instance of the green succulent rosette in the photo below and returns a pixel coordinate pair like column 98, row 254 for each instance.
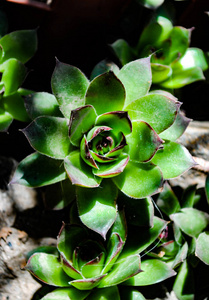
column 16, row 48
column 174, row 64
column 84, row 266
column 106, row 135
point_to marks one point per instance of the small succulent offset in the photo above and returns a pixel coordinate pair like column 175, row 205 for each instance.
column 106, row 135
column 87, row 267
column 174, row 63
column 16, row 48
column 186, row 246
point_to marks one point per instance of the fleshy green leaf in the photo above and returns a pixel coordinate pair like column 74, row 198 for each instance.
column 14, row 73
column 184, row 284
column 38, row 170
column 202, row 247
column 194, row 57
column 70, row 293
column 59, row 195
column 49, row 136
column 123, row 51
column 103, row 67
column 106, row 93
column 105, row 294
column 139, row 180
column 154, row 271
column 137, row 78
column 122, row 270
column 176, row 129
column 42, row 104
column 48, row 269
column 181, row 255
column 113, row 168
column 97, row 207
column 69, row 86
column 5, row 120
column 188, row 197
column 173, row 160
column 14, row 104
column 181, row 78
column 87, row 284
column 144, row 238
column 82, row 120
column 160, row 72
column 79, row 172
column 117, row 120
column 157, row 110
column 138, row 213
column 143, row 142
column 191, row 221
column 167, row 200
column 20, row 45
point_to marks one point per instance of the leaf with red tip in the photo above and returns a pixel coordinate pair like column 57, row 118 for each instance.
column 106, row 93
column 87, row 284
column 97, row 207
column 79, row 172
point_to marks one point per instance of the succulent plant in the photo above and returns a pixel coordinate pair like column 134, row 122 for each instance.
column 16, row 48
column 185, row 248
column 106, row 135
column 87, row 267
column 174, row 63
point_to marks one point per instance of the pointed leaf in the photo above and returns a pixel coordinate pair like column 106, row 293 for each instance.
column 48, row 269
column 181, row 256
column 42, row 104
column 137, row 78
column 144, row 238
column 82, row 120
column 154, row 271
column 106, row 93
column 39, row 170
column 49, row 136
column 87, row 284
column 94, row 267
column 167, row 200
column 105, row 294
column 117, row 120
column 103, row 67
column 143, row 142
column 139, row 180
column 191, row 221
column 123, row 51
column 14, row 104
column 113, row 168
column 14, row 73
column 70, row 293
column 176, row 129
column 131, row 294
column 5, row 120
column 79, row 172
column 69, row 86
column 97, row 208
column 157, row 110
column 124, row 269
column 160, row 72
column 173, row 160
column 202, row 247
column 181, row 78
column 184, row 284
column 20, row 45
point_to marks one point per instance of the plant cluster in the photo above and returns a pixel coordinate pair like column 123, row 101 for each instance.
column 16, row 48
column 106, row 148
